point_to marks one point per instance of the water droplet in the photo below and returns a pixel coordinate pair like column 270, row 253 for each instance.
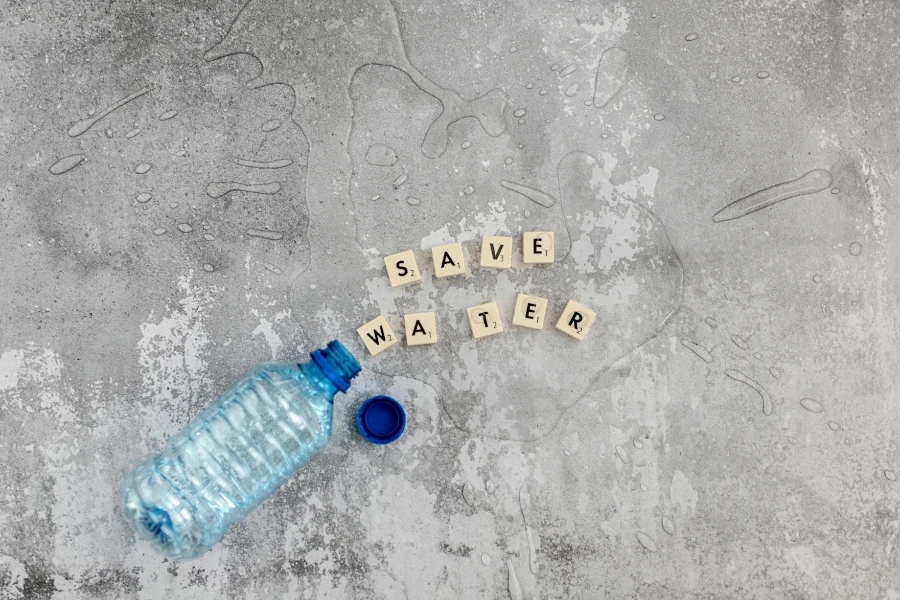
column 775, row 372
column 468, row 190
column 604, row 136
column 412, row 201
column 855, row 249
column 659, row 116
column 711, row 322
column 835, row 190
column 592, row 122
column 653, row 15
column 571, row 90
column 468, row 493
column 691, row 37
column 159, row 231
column 566, row 452
column 381, row 155
column 521, row 121
column 375, row 197
column 490, row 487
column 735, row 79
column 529, row 85
column 220, row 188
column 67, row 163
column 142, row 168
column 271, row 125
column 168, row 115
column 637, row 443
column 767, row 401
column 208, row 268
column 697, row 349
column 622, row 454
column 508, row 161
column 515, row 589
column 485, row 559
column 512, row 49
column 543, row 92
column 133, row 132
column 144, row 197
column 568, row 70
column 810, row 183
column 762, row 75
column 400, row 181
column 757, row 356
column 611, row 75
column 173, row 205
column 668, row 525
column 527, row 213
column 834, row 426
column 644, row 487
column 890, row 475
column 811, row 405
column 185, row 228
column 264, row 234
column 646, row 541
column 519, row 113
column 85, row 124
column 208, row 237
column 536, row 196
column 263, row 164
column 792, row 440
column 466, row 144
column 273, row 269
column 739, row 342
column 554, row 67
column 181, row 153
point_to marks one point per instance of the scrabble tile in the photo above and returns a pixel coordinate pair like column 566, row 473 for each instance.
column 485, row 320
column 420, row 328
column 448, row 260
column 537, row 247
column 530, row 311
column 496, row 252
column 402, row 268
column 377, row 335
column 575, row 320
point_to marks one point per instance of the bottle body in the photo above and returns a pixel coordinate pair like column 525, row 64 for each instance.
column 234, row 454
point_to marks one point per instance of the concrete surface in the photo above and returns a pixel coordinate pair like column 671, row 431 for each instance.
column 640, row 463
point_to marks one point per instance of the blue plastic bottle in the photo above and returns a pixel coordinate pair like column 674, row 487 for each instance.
column 234, row 454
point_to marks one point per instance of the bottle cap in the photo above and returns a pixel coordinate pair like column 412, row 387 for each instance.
column 381, row 419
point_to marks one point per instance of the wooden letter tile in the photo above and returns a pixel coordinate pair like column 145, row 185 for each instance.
column 496, row 252
column 485, row 320
column 530, row 311
column 377, row 335
column 575, row 320
column 402, row 268
column 537, row 247
column 448, row 260
column 420, row 328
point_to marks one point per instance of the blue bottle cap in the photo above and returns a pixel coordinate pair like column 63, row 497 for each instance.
column 381, row 419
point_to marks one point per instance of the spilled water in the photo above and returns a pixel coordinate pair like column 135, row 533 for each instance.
column 612, row 72
column 220, row 188
column 766, row 400
column 814, row 181
column 83, row 125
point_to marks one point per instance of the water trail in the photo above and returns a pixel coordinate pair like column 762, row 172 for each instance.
column 400, row 181
column 697, row 349
column 646, row 541
column 812, row 405
column 132, row 132
column 260, row 164
column 738, row 376
column 220, row 188
column 623, row 455
column 668, row 525
column 381, row 155
column 168, row 115
column 568, row 70
column 66, row 163
column 264, row 234
column 525, row 507
column 711, row 322
column 468, row 493
column 814, row 181
column 611, row 74
column 537, row 196
column 515, row 589
column 85, row 124
column 739, row 342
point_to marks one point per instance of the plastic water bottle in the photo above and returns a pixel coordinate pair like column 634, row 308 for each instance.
column 234, row 454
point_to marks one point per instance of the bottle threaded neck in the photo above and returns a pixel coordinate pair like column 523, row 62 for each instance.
column 337, row 364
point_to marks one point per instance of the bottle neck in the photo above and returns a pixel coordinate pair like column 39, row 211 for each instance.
column 337, row 365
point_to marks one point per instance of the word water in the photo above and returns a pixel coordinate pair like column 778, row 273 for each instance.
column 484, row 319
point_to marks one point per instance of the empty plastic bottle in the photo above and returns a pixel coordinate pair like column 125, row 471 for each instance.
column 234, row 454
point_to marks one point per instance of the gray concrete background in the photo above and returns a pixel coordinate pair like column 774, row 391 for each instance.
column 641, row 468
